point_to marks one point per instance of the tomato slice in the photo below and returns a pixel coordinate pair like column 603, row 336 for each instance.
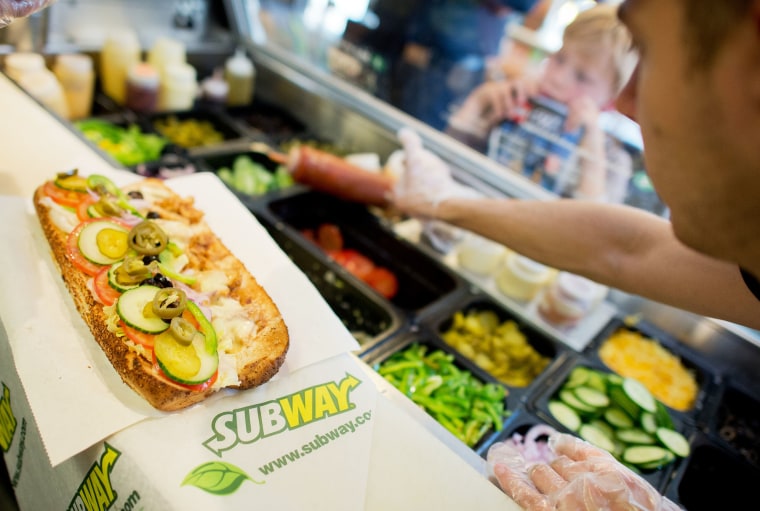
column 138, row 337
column 355, row 262
column 383, row 281
column 103, row 289
column 63, row 197
column 199, row 387
column 85, row 203
column 329, row 237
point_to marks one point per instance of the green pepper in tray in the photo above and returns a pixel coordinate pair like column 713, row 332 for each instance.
column 127, row 145
column 460, row 402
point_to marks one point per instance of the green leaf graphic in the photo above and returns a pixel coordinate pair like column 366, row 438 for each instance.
column 217, row 478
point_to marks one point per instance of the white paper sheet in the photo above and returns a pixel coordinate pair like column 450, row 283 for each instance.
column 76, row 396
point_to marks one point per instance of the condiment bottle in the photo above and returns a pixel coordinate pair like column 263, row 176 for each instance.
column 166, row 51
column 119, row 53
column 77, row 77
column 142, row 88
column 21, row 63
column 179, row 87
column 214, row 89
column 522, row 278
column 568, row 299
column 479, row 255
column 45, row 88
column 240, row 74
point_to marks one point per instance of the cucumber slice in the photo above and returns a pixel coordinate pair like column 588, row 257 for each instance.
column 604, row 426
column 115, row 283
column 618, row 418
column 592, row 397
column 663, row 416
column 73, row 182
column 577, row 377
column 597, row 380
column 568, row 397
column 88, row 241
column 654, row 465
column 93, row 212
column 622, row 401
column 190, row 364
column 597, row 437
column 639, row 394
column 635, row 436
column 645, row 455
column 565, row 415
column 648, row 422
column 130, row 307
column 674, row 441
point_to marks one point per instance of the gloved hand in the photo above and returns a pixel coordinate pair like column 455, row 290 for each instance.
column 423, row 184
column 12, row 9
column 581, row 478
column 425, row 180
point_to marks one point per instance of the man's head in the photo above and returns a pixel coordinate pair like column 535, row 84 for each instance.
column 595, row 60
column 696, row 96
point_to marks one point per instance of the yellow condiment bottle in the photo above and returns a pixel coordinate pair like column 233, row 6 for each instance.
column 77, row 77
column 240, row 74
column 119, row 53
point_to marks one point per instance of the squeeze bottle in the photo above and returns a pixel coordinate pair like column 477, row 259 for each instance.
column 120, row 52
column 77, row 77
column 240, row 75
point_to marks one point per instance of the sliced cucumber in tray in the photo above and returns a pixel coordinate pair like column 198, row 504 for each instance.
column 620, row 416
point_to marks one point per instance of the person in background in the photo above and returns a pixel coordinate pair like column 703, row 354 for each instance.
column 692, row 94
column 557, row 140
column 446, row 45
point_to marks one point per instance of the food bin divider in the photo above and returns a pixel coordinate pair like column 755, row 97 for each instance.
column 539, row 406
column 713, row 478
column 427, row 338
column 422, row 281
column 476, row 301
column 707, row 378
column 370, row 319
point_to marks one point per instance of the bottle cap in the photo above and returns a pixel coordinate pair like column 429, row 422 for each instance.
column 239, row 64
column 527, row 268
column 144, row 75
column 18, row 64
column 75, row 62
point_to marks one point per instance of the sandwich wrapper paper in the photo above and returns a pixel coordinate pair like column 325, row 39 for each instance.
column 78, row 399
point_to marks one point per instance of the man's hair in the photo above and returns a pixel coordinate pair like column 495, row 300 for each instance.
column 599, row 27
column 708, row 24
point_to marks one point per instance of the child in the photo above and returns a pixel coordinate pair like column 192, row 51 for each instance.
column 548, row 127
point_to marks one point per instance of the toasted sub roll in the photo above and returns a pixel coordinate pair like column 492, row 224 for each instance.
column 252, row 337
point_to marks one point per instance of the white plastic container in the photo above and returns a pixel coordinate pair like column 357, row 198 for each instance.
column 214, row 89
column 77, row 77
column 522, row 278
column 179, row 87
column 120, row 52
column 568, row 299
column 23, row 63
column 45, row 88
column 240, row 74
column 480, row 255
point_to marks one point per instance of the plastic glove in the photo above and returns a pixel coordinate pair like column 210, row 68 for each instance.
column 581, row 478
column 12, row 9
column 424, row 183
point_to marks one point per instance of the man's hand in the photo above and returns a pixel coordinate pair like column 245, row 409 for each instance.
column 581, row 478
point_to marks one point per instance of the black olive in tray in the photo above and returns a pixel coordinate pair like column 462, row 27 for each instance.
column 500, row 343
column 677, row 376
column 367, row 318
column 466, row 401
column 355, row 239
column 714, row 478
column 618, row 415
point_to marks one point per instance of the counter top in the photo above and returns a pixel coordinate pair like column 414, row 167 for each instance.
column 413, row 463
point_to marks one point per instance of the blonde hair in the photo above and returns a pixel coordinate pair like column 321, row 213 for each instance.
column 599, row 27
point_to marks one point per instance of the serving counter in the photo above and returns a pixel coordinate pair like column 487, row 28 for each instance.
column 381, row 451
column 393, row 461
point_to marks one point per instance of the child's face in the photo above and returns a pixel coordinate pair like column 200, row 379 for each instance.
column 574, row 72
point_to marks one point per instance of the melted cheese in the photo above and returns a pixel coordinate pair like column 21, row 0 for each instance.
column 232, row 324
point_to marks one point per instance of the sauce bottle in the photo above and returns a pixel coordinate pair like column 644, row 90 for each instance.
column 166, row 51
column 21, row 63
column 45, row 88
column 479, row 255
column 142, row 88
column 77, row 77
column 119, row 53
column 240, row 74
